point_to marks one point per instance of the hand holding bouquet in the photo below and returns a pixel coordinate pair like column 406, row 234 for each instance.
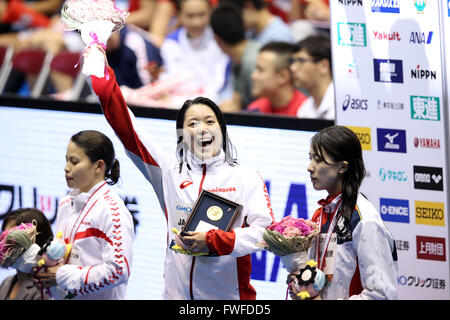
column 96, row 20
column 290, row 239
column 17, row 247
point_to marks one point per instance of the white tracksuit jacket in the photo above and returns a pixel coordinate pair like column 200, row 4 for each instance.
column 365, row 265
column 226, row 276
column 100, row 229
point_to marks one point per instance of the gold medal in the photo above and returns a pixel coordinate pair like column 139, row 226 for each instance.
column 214, row 213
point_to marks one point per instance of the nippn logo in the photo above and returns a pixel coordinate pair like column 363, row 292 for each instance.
column 364, row 136
column 430, row 213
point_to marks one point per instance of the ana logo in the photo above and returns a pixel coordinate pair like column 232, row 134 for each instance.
column 388, row 6
column 428, row 178
column 351, row 2
column 421, row 37
column 391, row 36
column 390, row 105
column 419, row 73
column 430, row 213
column 425, row 108
column 427, row 143
column 395, row 210
column 388, row 70
column 351, row 34
column 391, row 140
column 354, row 103
column 420, row 5
column 431, row 248
column 364, row 136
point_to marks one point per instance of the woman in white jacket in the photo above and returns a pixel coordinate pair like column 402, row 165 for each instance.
column 356, row 252
column 204, row 160
column 95, row 221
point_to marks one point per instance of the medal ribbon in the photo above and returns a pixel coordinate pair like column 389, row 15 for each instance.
column 328, row 236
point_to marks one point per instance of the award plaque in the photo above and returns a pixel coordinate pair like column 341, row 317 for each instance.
column 211, row 211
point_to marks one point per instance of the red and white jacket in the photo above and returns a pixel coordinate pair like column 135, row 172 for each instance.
column 100, row 229
column 226, row 276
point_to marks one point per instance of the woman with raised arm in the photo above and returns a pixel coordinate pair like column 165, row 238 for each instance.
column 204, row 160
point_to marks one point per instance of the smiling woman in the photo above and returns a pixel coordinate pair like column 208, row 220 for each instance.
column 204, row 160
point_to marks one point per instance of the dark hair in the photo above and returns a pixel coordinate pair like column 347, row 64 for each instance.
column 342, row 144
column 226, row 143
column 258, row 4
column 28, row 215
column 227, row 24
column 283, row 51
column 97, row 146
column 317, row 46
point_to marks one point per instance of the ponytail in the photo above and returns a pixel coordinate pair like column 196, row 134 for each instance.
column 112, row 176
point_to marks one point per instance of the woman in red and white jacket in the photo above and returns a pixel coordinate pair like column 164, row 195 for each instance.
column 204, row 160
column 95, row 221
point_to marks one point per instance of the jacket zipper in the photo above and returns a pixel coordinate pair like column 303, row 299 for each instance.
column 191, row 274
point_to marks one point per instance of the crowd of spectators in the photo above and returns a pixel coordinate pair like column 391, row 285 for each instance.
column 268, row 56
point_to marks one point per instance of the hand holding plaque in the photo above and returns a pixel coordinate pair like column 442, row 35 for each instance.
column 210, row 212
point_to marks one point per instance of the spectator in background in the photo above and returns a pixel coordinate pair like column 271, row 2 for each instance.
column 20, row 286
column 192, row 49
column 309, row 17
column 228, row 27
column 311, row 71
column 272, row 81
column 261, row 25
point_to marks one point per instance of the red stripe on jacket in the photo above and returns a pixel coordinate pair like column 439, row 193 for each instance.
column 116, row 113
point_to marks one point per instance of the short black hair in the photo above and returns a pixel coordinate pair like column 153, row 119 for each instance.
column 30, row 215
column 227, row 23
column 317, row 46
column 178, row 4
column 258, row 4
column 283, row 51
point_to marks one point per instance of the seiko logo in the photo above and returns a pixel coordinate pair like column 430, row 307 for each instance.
column 428, row 143
column 354, row 103
column 420, row 73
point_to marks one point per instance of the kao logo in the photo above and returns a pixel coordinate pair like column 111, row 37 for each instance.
column 386, row 6
column 395, row 210
column 431, row 248
column 351, row 34
column 388, row 70
column 391, row 140
column 425, row 108
column 430, row 213
column 364, row 136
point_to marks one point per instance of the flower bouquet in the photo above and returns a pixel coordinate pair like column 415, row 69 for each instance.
column 96, row 20
column 17, row 247
column 290, row 239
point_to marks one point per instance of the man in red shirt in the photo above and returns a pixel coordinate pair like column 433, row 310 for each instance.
column 272, row 82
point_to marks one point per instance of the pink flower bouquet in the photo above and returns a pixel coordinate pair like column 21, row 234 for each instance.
column 14, row 242
column 290, row 239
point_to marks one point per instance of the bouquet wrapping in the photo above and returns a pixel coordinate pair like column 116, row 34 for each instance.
column 96, row 20
column 17, row 247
